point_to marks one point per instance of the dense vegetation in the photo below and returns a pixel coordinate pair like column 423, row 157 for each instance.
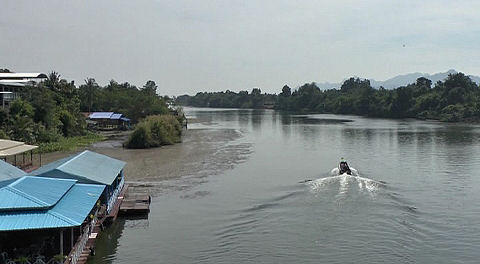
column 155, row 131
column 122, row 98
column 457, row 98
column 49, row 113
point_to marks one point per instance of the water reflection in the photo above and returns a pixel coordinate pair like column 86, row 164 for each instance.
column 107, row 243
column 414, row 203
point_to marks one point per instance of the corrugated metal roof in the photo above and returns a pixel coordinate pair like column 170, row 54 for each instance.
column 21, row 75
column 100, row 115
column 6, row 144
column 116, row 116
column 11, row 147
column 9, row 172
column 17, row 150
column 125, row 119
column 86, row 167
column 70, row 211
column 31, row 192
column 12, row 83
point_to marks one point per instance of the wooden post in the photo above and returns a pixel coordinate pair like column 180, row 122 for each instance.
column 31, row 157
column 61, row 242
column 15, row 160
column 40, row 159
column 23, row 154
column 71, row 238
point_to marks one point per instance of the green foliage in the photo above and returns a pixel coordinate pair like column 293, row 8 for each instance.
column 3, row 134
column 70, row 143
column 122, row 98
column 457, row 98
column 154, row 131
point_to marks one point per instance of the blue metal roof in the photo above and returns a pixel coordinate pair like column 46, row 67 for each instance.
column 86, row 167
column 100, row 115
column 9, row 172
column 125, row 119
column 31, row 192
column 116, row 116
column 70, row 211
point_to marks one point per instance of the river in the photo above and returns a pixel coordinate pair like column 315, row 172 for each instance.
column 254, row 186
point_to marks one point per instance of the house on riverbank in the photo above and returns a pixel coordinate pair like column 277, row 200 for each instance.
column 11, row 82
column 108, row 121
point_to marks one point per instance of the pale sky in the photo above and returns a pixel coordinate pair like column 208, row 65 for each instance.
column 203, row 45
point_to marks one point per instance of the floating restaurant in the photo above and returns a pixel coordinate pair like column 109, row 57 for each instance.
column 35, row 212
column 53, row 214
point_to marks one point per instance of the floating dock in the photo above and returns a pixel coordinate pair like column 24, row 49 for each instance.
column 135, row 203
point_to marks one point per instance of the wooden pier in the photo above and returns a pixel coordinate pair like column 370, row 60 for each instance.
column 135, row 203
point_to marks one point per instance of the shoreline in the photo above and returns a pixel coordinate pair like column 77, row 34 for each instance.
column 203, row 152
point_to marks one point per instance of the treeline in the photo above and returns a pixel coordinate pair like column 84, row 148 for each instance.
column 457, row 98
column 228, row 99
column 51, row 110
column 135, row 103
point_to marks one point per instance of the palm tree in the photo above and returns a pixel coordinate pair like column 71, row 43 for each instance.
column 90, row 91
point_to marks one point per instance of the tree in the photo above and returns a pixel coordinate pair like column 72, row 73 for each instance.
column 88, row 93
column 150, row 88
column 286, row 91
column 53, row 81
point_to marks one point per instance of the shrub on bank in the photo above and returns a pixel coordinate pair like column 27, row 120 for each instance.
column 155, row 131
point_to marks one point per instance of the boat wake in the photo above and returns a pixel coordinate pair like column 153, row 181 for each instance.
column 346, row 183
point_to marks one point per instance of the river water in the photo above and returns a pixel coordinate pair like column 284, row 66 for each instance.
column 254, row 186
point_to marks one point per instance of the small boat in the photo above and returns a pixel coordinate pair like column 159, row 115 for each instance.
column 351, row 171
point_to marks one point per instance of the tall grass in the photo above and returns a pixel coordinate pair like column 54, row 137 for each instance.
column 155, row 131
column 70, row 143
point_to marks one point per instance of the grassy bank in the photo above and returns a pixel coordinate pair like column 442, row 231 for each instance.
column 70, row 143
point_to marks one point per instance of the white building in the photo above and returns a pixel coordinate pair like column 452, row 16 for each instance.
column 12, row 81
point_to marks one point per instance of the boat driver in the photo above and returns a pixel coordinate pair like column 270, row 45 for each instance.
column 343, row 167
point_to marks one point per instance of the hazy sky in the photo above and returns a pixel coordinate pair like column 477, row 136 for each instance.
column 201, row 45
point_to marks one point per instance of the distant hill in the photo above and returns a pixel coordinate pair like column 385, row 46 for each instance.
column 401, row 80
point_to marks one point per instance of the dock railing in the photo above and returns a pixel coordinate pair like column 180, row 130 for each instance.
column 113, row 198
column 78, row 249
column 82, row 240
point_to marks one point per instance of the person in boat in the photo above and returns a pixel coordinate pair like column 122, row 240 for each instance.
column 343, row 167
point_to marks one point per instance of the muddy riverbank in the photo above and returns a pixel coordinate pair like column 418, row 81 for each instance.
column 203, row 152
